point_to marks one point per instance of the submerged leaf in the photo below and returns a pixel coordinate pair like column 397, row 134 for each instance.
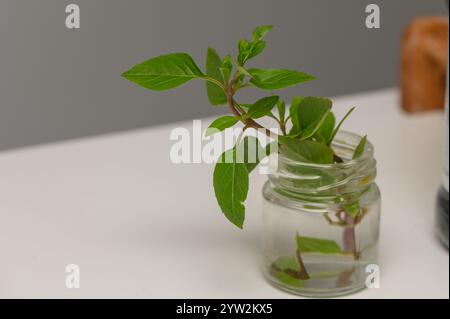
column 317, row 245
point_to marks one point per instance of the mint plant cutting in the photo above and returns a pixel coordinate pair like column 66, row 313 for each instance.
column 311, row 158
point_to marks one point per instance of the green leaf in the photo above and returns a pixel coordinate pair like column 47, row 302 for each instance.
column 231, row 177
column 316, row 245
column 216, row 95
column 283, row 263
column 352, row 209
column 286, row 270
column 311, row 110
column 359, row 150
column 256, row 49
column 250, row 152
column 281, row 106
column 311, row 130
column 226, row 68
column 286, row 278
column 239, row 80
column 231, row 187
column 293, row 114
column 260, row 32
column 340, row 124
column 220, row 124
column 274, row 79
column 243, row 46
column 243, row 71
column 248, row 50
column 164, row 72
column 306, row 151
column 296, row 100
column 262, row 107
column 326, row 130
column 243, row 51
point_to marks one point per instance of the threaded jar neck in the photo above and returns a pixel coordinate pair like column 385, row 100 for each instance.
column 351, row 178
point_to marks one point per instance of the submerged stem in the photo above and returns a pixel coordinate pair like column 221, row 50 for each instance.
column 303, row 274
column 350, row 237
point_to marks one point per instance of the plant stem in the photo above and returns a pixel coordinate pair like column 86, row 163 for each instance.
column 303, row 274
column 237, row 111
column 235, row 107
column 283, row 127
column 231, row 104
column 350, row 237
column 216, row 82
column 337, row 158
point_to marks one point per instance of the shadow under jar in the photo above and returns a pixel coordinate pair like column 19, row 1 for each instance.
column 321, row 222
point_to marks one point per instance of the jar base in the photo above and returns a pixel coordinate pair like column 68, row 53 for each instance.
column 310, row 292
column 329, row 276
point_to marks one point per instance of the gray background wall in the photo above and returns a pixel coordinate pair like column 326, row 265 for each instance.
column 57, row 84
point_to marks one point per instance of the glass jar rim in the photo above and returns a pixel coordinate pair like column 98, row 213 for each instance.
column 352, row 176
column 367, row 154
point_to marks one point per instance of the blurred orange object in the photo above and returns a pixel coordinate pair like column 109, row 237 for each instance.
column 424, row 64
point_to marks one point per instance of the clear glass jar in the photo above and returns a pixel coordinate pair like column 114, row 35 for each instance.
column 321, row 222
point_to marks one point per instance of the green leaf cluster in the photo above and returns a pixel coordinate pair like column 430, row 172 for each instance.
column 307, row 124
column 250, row 49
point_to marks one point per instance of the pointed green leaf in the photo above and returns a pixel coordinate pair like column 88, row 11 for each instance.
column 243, row 51
column 243, row 46
column 311, row 130
column 340, row 124
column 286, row 270
column 243, row 71
column 220, row 124
column 359, row 150
column 248, row 50
column 281, row 106
column 293, row 114
column 274, row 79
column 226, row 68
column 164, row 72
column 311, row 110
column 262, row 107
column 316, row 245
column 352, row 209
column 215, row 94
column 256, row 49
column 250, row 152
column 231, row 187
column 260, row 32
column 326, row 130
column 306, row 151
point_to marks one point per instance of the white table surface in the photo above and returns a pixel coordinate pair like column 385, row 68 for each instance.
column 139, row 226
